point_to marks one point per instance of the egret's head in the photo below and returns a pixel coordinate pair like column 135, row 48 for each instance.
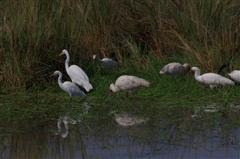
column 94, row 56
column 63, row 52
column 56, row 73
column 194, row 69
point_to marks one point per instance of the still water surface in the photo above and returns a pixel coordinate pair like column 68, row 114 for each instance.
column 190, row 139
column 176, row 132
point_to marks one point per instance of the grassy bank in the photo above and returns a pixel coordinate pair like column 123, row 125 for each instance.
column 174, row 99
column 33, row 33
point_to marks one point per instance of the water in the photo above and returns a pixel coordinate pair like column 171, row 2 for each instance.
column 151, row 131
column 188, row 139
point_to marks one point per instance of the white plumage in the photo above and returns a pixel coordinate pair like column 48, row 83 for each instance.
column 128, row 84
column 106, row 62
column 68, row 86
column 211, row 79
column 175, row 69
column 234, row 75
column 77, row 75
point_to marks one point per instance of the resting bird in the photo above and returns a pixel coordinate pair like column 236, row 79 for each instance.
column 128, row 84
column 211, row 79
column 106, row 62
column 68, row 86
column 77, row 75
column 234, row 75
column 175, row 69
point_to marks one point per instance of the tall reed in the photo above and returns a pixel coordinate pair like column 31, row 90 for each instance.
column 33, row 33
column 207, row 30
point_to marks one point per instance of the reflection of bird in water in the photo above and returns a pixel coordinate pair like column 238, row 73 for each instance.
column 128, row 84
column 211, row 79
column 175, row 69
column 128, row 119
column 77, row 75
column 106, row 62
column 68, row 87
column 67, row 120
column 234, row 75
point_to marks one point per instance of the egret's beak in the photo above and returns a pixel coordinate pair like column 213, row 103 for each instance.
column 60, row 54
column 109, row 93
column 51, row 75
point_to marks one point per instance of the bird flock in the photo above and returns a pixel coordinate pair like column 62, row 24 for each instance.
column 211, row 79
column 130, row 83
column 125, row 83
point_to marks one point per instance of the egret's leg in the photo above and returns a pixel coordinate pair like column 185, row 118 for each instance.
column 133, row 97
column 126, row 96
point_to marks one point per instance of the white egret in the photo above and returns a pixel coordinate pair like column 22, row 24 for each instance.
column 211, row 79
column 77, row 75
column 106, row 62
column 175, row 69
column 234, row 75
column 128, row 84
column 68, row 86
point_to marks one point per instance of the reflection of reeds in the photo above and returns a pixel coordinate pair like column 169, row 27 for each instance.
column 176, row 135
column 169, row 130
column 42, row 145
column 34, row 32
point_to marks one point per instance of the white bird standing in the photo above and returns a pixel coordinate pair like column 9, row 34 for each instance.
column 175, row 69
column 234, row 75
column 106, row 62
column 77, row 75
column 128, row 84
column 211, row 79
column 68, row 86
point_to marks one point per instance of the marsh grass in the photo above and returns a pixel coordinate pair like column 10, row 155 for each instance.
column 33, row 33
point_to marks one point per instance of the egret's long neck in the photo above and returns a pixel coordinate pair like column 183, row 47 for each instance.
column 60, row 80
column 197, row 74
column 98, row 59
column 67, row 61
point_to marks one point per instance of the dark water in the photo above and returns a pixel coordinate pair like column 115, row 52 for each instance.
column 158, row 138
column 168, row 132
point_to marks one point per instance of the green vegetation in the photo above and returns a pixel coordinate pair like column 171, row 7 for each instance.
column 168, row 98
column 33, row 33
column 141, row 35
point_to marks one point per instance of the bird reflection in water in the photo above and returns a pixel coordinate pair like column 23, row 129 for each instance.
column 65, row 120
